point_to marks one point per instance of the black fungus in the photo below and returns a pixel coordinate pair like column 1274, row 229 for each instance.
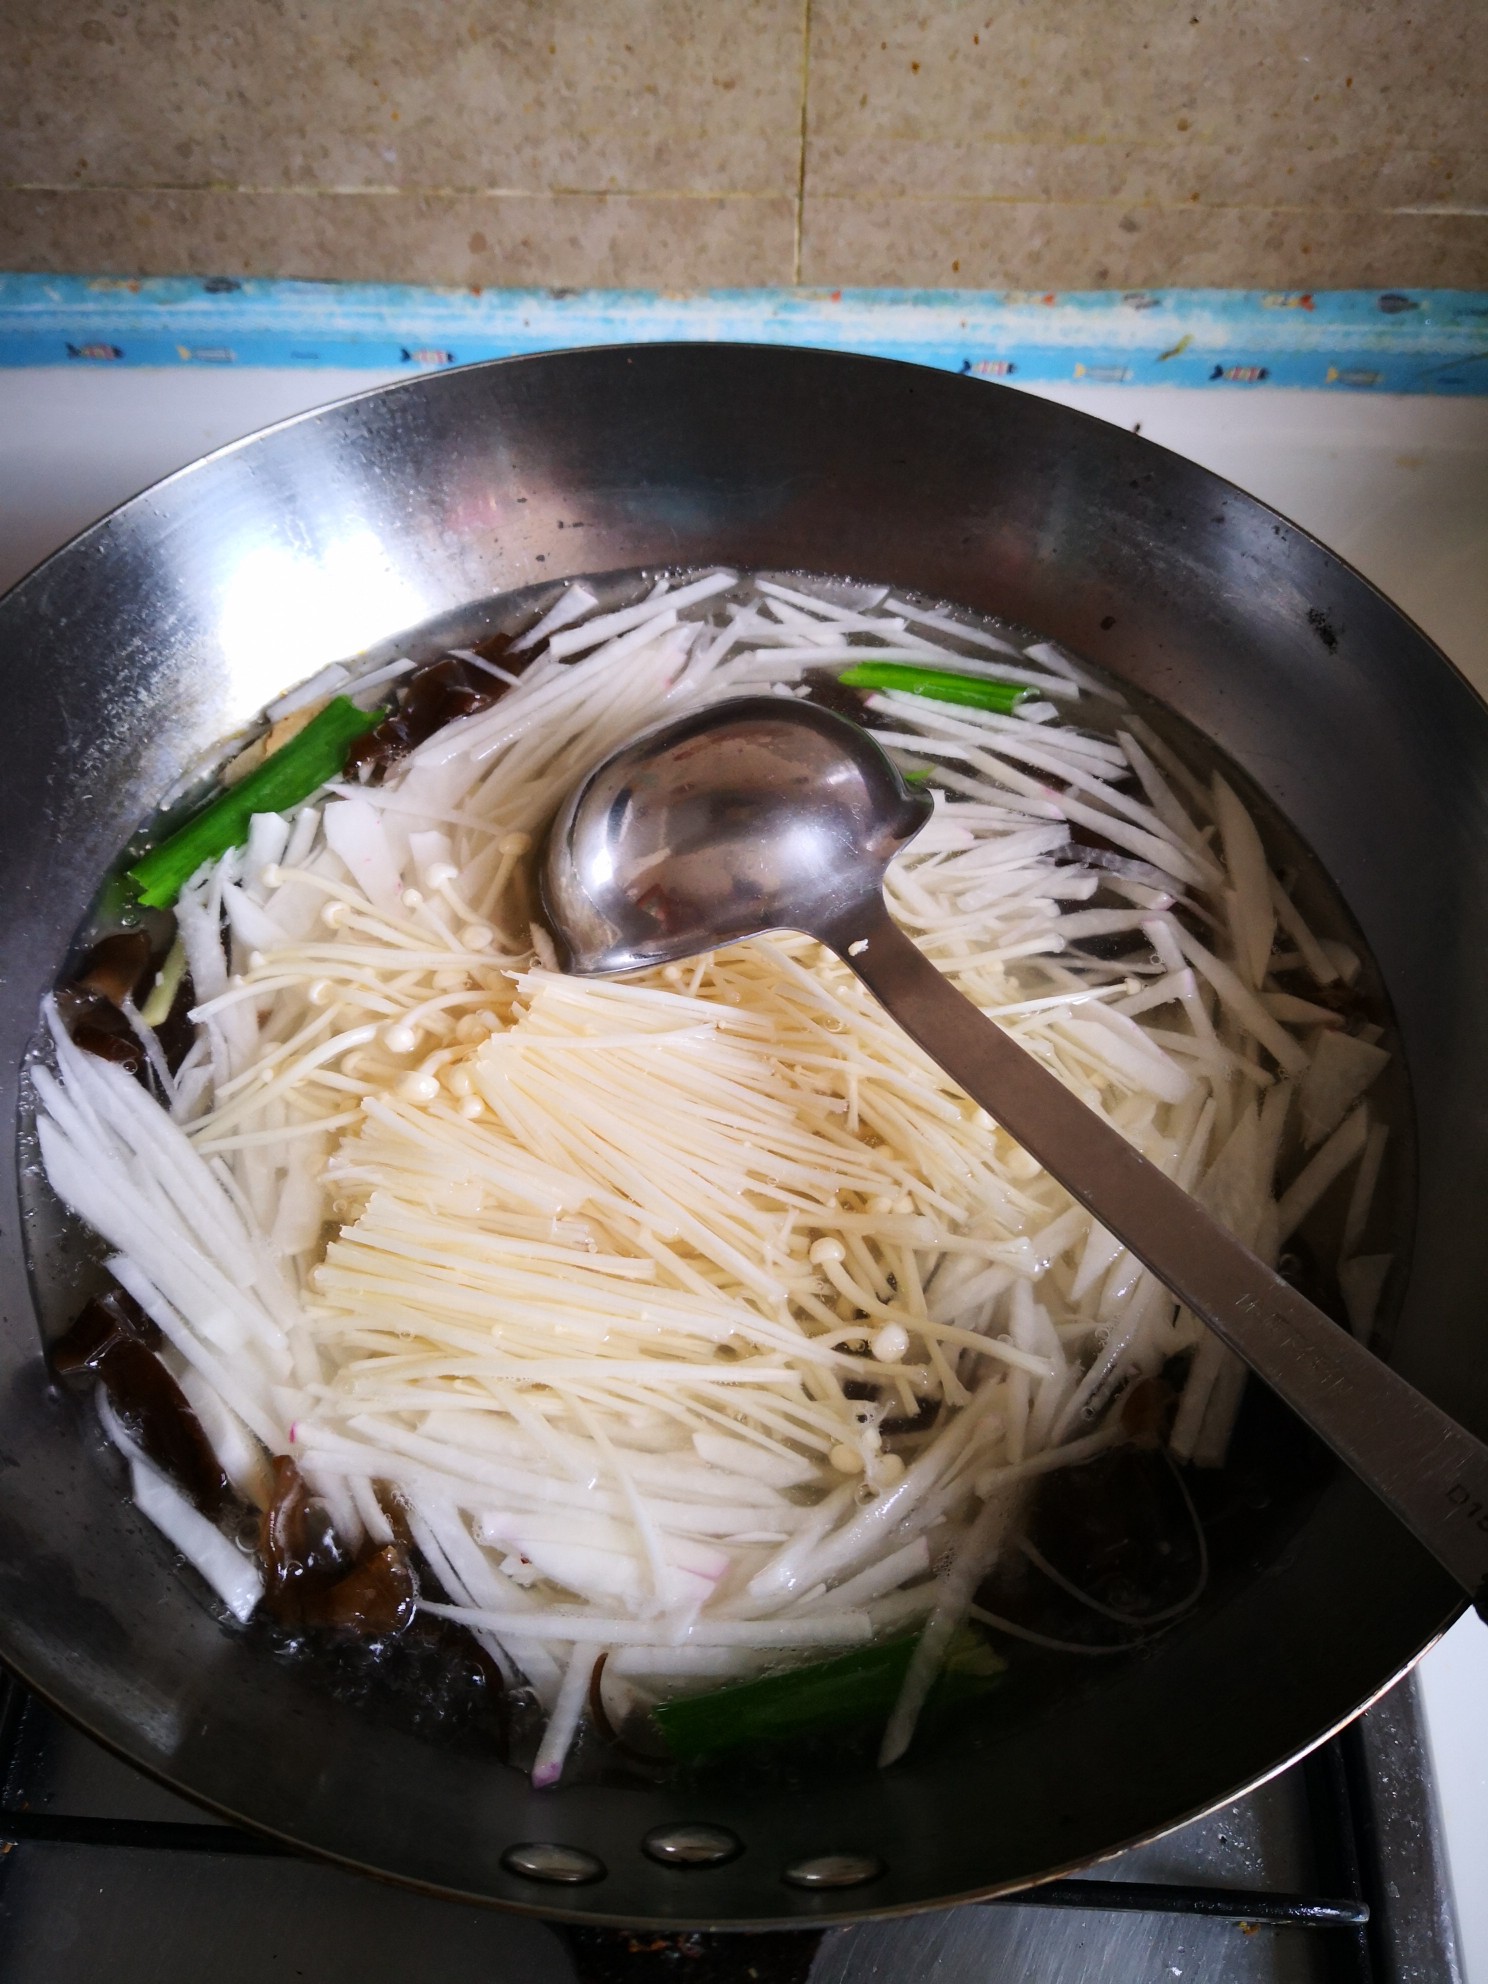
column 924, row 1416
column 91, row 1000
column 432, row 697
column 640, row 1727
column 598, row 1713
column 177, row 1031
column 111, row 1340
column 377, row 1596
column 107, row 1317
column 115, row 967
column 297, row 1542
column 309, row 1580
column 121, row 1048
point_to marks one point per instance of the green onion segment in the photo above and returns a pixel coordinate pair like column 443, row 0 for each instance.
column 854, row 1687
column 941, row 685
column 301, row 767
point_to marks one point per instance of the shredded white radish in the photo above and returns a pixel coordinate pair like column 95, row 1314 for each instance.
column 698, row 1315
column 232, row 1575
column 1343, row 1067
column 1249, row 896
column 572, row 604
column 1334, row 1157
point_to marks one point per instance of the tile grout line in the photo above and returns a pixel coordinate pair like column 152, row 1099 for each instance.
column 801, row 153
column 373, row 191
column 218, row 190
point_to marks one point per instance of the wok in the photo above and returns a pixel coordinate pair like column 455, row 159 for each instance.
column 402, row 516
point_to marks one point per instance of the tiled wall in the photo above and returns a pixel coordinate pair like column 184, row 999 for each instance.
column 694, row 143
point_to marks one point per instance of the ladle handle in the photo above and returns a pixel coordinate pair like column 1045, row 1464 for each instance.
column 1421, row 1464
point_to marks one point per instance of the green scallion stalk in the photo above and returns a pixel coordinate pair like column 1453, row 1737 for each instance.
column 830, row 1694
column 301, row 767
column 941, row 685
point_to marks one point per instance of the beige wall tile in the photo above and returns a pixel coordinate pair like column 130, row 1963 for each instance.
column 990, row 244
column 1143, row 174
column 537, row 239
column 532, row 95
column 1134, row 141
column 966, row 75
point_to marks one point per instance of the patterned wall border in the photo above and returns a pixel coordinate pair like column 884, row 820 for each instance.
column 1395, row 341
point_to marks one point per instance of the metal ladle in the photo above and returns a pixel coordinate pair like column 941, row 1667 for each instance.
column 766, row 813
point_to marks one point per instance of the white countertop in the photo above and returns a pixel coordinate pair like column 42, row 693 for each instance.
column 1398, row 486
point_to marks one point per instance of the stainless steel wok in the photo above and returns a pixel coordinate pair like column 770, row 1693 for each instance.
column 402, row 516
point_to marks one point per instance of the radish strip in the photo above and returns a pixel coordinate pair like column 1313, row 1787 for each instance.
column 1343, row 1068
column 1242, row 1003
column 1318, row 963
column 563, row 1723
column 572, row 605
column 1245, row 858
column 974, row 1558
column 1336, row 1155
column 236, row 1579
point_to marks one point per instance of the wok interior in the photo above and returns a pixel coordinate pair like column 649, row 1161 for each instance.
column 757, row 458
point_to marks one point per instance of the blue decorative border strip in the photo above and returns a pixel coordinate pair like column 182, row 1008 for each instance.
column 1397, row 341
